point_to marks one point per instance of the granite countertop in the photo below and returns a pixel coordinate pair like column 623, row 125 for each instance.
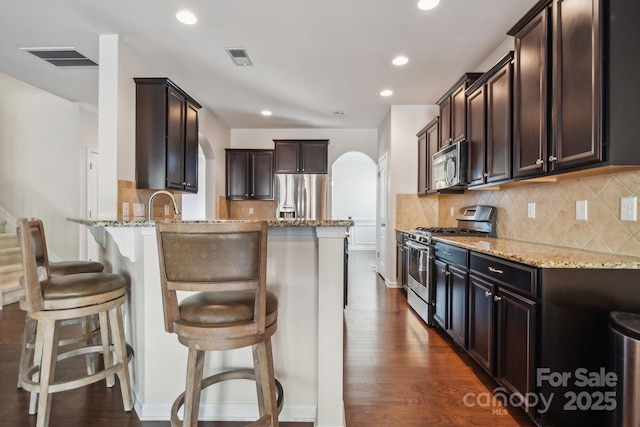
column 272, row 223
column 542, row 256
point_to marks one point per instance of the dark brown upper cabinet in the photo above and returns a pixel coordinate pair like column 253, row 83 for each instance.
column 489, row 130
column 453, row 111
column 301, row 156
column 531, row 95
column 166, row 136
column 427, row 147
column 574, row 61
column 249, row 174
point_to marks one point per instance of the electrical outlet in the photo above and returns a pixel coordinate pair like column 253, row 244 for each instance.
column 125, row 210
column 166, row 210
column 451, row 211
column 138, row 209
column 531, row 210
column 629, row 209
column 250, row 211
column 581, row 210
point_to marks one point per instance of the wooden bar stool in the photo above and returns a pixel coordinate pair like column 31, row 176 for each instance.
column 50, row 301
column 89, row 325
column 226, row 264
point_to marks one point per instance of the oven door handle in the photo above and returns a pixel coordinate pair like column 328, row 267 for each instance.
column 413, row 245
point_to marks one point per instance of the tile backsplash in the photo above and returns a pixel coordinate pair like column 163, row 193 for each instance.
column 128, row 193
column 555, row 212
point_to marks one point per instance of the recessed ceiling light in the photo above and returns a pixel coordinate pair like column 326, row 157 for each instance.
column 266, row 113
column 400, row 60
column 186, row 17
column 427, row 4
column 386, row 92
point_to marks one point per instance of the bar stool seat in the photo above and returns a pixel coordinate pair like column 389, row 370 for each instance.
column 225, row 263
column 63, row 268
column 90, row 329
column 50, row 301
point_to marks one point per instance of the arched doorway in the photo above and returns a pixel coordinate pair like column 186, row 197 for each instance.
column 353, row 194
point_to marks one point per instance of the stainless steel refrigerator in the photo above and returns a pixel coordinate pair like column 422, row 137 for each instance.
column 301, row 196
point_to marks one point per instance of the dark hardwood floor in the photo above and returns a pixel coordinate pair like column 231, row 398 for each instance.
column 397, row 371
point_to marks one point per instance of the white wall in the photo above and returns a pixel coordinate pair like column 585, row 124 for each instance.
column 121, row 65
column 353, row 194
column 215, row 136
column 501, row 50
column 397, row 137
column 40, row 142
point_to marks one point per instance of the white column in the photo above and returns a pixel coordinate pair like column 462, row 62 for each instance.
column 108, row 127
column 330, row 326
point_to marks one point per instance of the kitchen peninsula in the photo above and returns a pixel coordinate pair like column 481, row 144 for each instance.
column 305, row 271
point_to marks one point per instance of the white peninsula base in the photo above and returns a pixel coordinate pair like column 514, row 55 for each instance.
column 305, row 270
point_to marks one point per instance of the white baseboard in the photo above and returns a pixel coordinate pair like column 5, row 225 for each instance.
column 11, row 221
column 227, row 412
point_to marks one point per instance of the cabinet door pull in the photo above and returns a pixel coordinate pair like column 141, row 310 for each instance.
column 495, row 270
column 552, row 158
column 485, row 175
column 447, row 253
column 497, row 298
column 539, row 162
column 487, row 293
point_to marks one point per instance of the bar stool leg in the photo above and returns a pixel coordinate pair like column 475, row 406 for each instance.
column 27, row 341
column 87, row 331
column 195, row 365
column 120, row 348
column 49, row 331
column 106, row 348
column 263, row 366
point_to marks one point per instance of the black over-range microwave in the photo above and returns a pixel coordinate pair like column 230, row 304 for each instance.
column 449, row 167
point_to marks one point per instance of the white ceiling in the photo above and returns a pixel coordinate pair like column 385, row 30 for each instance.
column 311, row 57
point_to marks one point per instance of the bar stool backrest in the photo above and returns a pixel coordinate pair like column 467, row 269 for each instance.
column 35, row 261
column 212, row 257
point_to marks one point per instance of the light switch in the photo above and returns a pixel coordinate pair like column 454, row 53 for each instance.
column 531, row 210
column 629, row 209
column 125, row 210
column 138, row 209
column 581, row 210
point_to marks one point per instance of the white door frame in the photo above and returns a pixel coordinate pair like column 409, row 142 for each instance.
column 381, row 217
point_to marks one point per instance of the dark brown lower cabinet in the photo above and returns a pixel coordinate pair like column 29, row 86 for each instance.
column 481, row 343
column 441, row 284
column 458, row 305
column 502, row 323
column 451, row 299
column 515, row 347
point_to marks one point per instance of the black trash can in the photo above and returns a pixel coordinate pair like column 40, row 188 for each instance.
column 625, row 339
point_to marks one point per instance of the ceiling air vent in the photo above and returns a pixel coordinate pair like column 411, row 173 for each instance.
column 61, row 56
column 239, row 56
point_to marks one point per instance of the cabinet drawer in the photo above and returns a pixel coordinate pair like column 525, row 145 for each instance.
column 452, row 254
column 506, row 273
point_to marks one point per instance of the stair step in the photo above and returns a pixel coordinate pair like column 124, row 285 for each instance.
column 9, row 240
column 10, row 283
column 10, row 256
column 12, row 295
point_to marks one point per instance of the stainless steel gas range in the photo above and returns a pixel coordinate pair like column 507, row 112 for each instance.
column 477, row 220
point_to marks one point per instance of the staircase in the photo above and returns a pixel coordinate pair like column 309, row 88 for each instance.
column 10, row 266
